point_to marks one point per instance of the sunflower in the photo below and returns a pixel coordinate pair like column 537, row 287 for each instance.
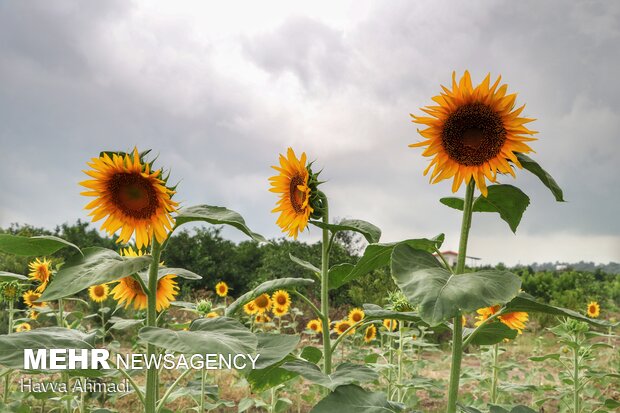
column 33, row 315
column 473, row 133
column 370, row 333
column 315, row 325
column 40, row 271
column 221, row 289
column 281, row 299
column 262, row 318
column 23, row 327
column 299, row 197
column 262, row 303
column 356, row 315
column 250, row 308
column 134, row 198
column 515, row 320
column 342, row 326
column 128, row 290
column 279, row 311
column 594, row 309
column 99, row 293
column 30, row 298
column 213, row 314
column 463, row 320
column 390, row 324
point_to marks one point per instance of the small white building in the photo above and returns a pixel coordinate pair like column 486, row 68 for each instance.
column 451, row 258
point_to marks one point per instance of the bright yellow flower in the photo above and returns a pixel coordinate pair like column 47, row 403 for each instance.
column 279, row 311
column 356, row 315
column 131, row 196
column 33, row 315
column 262, row 303
column 370, row 333
column 473, row 133
column 515, row 320
column 315, row 325
column 281, row 299
column 250, row 308
column 213, row 314
column 292, row 185
column 342, row 326
column 23, row 327
column 390, row 324
column 594, row 309
column 262, row 318
column 221, row 289
column 99, row 293
column 30, row 297
column 40, row 271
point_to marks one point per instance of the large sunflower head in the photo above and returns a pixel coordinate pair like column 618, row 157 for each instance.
column 315, row 326
column 594, row 309
column 342, row 326
column 133, row 197
column 281, row 299
column 473, row 132
column 250, row 308
column 370, row 333
column 300, row 198
column 221, row 289
column 262, row 303
column 485, row 313
column 41, row 271
column 99, row 293
column 30, row 298
column 515, row 321
column 356, row 315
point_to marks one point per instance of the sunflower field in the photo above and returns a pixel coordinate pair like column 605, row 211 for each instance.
column 349, row 324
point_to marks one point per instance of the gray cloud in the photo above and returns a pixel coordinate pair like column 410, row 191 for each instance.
column 219, row 107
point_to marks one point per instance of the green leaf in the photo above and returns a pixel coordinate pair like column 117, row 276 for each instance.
column 215, row 215
column 12, row 346
column 441, row 294
column 220, row 335
column 274, row 348
column 527, row 303
column 97, row 266
column 491, row 333
column 122, row 323
column 33, row 246
column 338, row 274
column 468, row 409
column 553, row 356
column 354, row 399
column 267, row 287
column 371, row 232
column 497, row 409
column 532, row 166
column 179, row 272
column 378, row 255
column 345, row 373
column 304, row 264
column 507, row 200
column 612, row 404
column 9, row 276
column 274, row 375
column 374, row 312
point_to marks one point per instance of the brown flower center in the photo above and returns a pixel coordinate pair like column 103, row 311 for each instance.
column 99, row 291
column 262, row 301
column 297, row 197
column 281, row 300
column 473, row 134
column 134, row 285
column 133, row 194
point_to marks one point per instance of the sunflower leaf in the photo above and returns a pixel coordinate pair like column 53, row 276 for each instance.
column 532, row 166
column 338, row 275
column 490, row 333
column 33, row 246
column 354, row 399
column 305, row 264
column 345, row 373
column 97, row 266
column 9, row 276
column 273, row 375
column 216, row 215
column 371, row 232
column 179, row 272
column 266, row 287
column 440, row 294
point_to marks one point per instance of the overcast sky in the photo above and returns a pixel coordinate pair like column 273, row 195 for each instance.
column 218, row 89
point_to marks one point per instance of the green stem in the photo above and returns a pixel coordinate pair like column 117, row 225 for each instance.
column 173, row 386
column 151, row 321
column 307, row 301
column 494, row 380
column 69, row 395
column 61, row 316
column 576, row 399
column 102, row 324
column 11, row 307
column 391, row 361
column 203, row 380
column 7, row 378
column 400, row 359
column 327, row 351
column 457, row 334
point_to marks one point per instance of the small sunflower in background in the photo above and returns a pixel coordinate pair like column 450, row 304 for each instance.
column 221, row 289
column 594, row 309
column 300, row 199
column 262, row 318
column 473, row 132
column 33, row 314
column 315, row 325
column 262, row 303
column 23, row 327
column 370, row 333
column 390, row 325
column 282, row 300
column 30, row 297
column 99, row 293
column 279, row 311
column 356, row 315
column 134, row 198
column 9, row 291
column 212, row 314
column 40, row 270
column 342, row 326
column 515, row 320
column 250, row 308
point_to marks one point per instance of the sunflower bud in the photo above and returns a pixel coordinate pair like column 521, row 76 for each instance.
column 204, row 307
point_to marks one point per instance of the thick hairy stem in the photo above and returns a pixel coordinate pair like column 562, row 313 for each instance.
column 400, row 359
column 327, row 351
column 151, row 321
column 494, row 380
column 457, row 334
column 576, row 398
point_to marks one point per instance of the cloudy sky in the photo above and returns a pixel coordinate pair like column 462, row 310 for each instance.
column 218, row 89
